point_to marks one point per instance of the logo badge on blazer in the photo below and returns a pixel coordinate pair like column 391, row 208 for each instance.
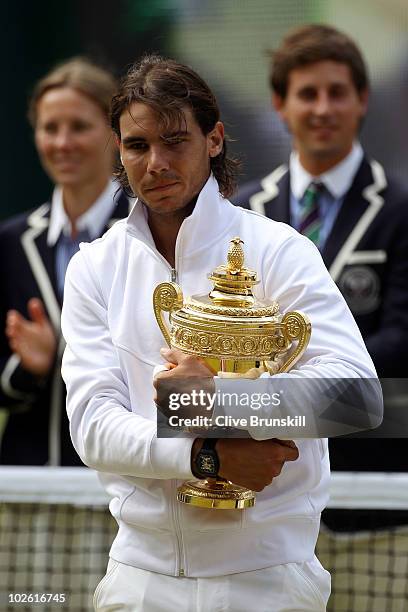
column 360, row 286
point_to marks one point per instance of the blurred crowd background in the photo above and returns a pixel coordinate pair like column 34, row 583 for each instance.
column 225, row 42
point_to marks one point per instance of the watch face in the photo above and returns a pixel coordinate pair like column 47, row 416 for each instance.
column 207, row 464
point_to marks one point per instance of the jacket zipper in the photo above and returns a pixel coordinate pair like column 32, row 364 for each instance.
column 174, row 503
column 177, row 529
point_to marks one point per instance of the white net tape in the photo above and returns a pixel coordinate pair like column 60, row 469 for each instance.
column 56, row 530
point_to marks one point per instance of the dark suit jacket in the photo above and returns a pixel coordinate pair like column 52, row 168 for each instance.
column 37, row 430
column 366, row 254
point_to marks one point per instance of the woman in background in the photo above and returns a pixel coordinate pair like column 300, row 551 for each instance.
column 69, row 112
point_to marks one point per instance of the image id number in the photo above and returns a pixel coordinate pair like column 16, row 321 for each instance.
column 36, row 597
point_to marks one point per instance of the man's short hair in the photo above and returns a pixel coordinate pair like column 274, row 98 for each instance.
column 168, row 88
column 315, row 43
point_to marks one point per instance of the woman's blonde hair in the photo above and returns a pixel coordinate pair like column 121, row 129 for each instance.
column 80, row 74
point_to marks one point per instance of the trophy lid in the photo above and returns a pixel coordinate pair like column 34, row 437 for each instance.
column 232, row 294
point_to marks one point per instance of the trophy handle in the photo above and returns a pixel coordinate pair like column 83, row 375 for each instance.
column 167, row 297
column 296, row 326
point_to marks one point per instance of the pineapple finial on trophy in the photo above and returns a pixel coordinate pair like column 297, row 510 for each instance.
column 235, row 256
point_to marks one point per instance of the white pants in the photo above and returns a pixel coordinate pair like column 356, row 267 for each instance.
column 294, row 587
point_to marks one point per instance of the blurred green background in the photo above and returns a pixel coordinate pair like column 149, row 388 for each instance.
column 225, row 40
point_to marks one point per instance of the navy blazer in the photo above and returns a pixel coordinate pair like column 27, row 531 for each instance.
column 366, row 254
column 37, row 431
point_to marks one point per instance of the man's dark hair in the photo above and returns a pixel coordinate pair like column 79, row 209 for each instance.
column 168, row 87
column 315, row 43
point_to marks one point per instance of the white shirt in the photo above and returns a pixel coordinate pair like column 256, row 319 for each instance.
column 93, row 220
column 337, row 181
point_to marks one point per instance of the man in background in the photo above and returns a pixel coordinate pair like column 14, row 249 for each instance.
column 345, row 203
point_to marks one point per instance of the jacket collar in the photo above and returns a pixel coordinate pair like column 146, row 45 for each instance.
column 40, row 258
column 40, row 255
column 210, row 219
column 93, row 220
column 273, row 197
column 361, row 205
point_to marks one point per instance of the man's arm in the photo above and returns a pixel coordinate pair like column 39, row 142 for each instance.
column 250, row 463
column 106, row 433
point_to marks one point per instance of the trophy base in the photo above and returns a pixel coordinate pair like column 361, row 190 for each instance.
column 219, row 494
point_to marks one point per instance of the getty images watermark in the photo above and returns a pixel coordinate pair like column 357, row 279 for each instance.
column 208, row 401
column 304, row 407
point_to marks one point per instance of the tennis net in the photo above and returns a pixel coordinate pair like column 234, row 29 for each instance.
column 56, row 530
column 55, row 534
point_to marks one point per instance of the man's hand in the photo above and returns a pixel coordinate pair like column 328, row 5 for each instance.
column 182, row 365
column 186, row 374
column 251, row 463
column 32, row 340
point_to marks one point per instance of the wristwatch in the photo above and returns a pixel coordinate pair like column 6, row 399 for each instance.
column 206, row 463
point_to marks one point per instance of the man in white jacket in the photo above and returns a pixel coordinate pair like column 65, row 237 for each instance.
column 168, row 556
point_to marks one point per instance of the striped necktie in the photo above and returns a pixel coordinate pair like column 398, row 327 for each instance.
column 310, row 221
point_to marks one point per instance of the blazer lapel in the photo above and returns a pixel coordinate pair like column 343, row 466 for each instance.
column 41, row 258
column 278, row 208
column 41, row 261
column 273, row 198
column 360, row 206
column 48, row 258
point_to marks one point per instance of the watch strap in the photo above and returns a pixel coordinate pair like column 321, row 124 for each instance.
column 209, row 443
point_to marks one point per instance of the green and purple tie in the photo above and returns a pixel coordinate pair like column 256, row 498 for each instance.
column 310, row 222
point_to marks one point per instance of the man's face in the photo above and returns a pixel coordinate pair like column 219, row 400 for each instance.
column 166, row 168
column 323, row 111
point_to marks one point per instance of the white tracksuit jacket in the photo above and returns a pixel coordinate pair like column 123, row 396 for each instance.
column 113, row 344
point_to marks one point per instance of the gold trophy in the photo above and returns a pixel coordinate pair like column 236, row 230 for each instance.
column 237, row 336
